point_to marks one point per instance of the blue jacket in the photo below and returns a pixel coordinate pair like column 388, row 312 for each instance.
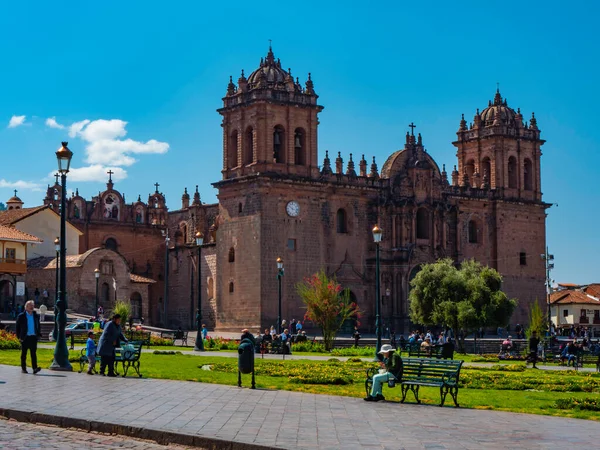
column 110, row 339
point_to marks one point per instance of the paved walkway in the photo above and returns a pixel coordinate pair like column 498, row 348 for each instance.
column 18, row 435
column 281, row 419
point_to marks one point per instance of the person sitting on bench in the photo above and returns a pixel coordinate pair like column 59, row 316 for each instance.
column 390, row 371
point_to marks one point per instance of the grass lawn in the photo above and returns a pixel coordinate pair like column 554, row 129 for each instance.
column 511, row 389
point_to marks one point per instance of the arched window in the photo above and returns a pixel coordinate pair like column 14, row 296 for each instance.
column 470, row 170
column 342, row 221
column 231, row 255
column 231, row 287
column 184, row 232
column 528, row 175
column 422, row 224
column 240, row 208
column 248, row 147
column 512, row 172
column 473, row 232
column 299, row 147
column 278, row 144
column 105, row 296
column 232, row 150
column 111, row 244
column 486, row 169
column 210, row 289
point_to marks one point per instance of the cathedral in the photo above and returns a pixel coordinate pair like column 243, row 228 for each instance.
column 278, row 199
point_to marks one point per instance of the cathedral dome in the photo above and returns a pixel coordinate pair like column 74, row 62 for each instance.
column 269, row 73
column 498, row 112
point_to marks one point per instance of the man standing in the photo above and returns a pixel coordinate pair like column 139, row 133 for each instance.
column 533, row 347
column 28, row 331
column 109, row 341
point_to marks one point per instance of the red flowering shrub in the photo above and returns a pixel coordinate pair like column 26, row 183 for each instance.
column 9, row 341
column 327, row 305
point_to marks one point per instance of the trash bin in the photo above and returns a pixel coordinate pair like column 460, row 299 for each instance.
column 245, row 360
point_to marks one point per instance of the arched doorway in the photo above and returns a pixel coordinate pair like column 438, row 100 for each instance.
column 6, row 295
column 105, row 295
column 136, row 305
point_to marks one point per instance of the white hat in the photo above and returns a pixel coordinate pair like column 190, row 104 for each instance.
column 386, row 348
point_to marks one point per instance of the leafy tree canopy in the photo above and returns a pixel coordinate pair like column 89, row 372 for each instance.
column 466, row 297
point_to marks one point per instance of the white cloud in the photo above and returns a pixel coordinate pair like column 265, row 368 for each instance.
column 16, row 121
column 105, row 146
column 52, row 123
column 95, row 172
column 77, row 127
column 20, row 184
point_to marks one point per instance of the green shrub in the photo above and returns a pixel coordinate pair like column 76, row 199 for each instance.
column 353, row 351
column 586, row 404
column 166, row 352
column 124, row 310
column 308, row 346
column 158, row 341
column 221, row 344
column 508, row 368
column 8, row 341
column 354, row 360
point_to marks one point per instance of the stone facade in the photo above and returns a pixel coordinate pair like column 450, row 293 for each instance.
column 81, row 281
column 275, row 202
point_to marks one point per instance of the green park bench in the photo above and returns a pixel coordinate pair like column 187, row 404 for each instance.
column 129, row 356
column 417, row 372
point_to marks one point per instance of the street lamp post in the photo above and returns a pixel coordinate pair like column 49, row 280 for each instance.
column 61, row 352
column 165, row 234
column 279, row 277
column 57, row 247
column 377, row 238
column 97, row 275
column 199, row 341
column 549, row 265
column 388, row 293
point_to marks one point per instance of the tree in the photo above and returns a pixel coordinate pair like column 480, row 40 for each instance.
column 327, row 305
column 464, row 298
column 537, row 320
column 2, row 207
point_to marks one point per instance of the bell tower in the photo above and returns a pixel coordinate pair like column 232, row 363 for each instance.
column 270, row 123
column 499, row 151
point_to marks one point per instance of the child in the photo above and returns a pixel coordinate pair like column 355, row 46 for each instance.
column 90, row 351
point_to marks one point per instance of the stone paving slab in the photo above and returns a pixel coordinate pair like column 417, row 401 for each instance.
column 281, row 419
column 19, row 435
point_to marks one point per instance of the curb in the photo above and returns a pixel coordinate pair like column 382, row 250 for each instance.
column 160, row 437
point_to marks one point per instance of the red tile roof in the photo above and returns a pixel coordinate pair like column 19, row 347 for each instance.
column 566, row 296
column 140, row 279
column 12, row 216
column 12, row 234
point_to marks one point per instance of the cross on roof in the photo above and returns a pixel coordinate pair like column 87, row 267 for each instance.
column 110, row 174
column 412, row 127
column 156, row 185
column 15, row 192
column 270, row 42
column 56, row 176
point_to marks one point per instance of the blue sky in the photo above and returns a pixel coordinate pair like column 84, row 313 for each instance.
column 148, row 76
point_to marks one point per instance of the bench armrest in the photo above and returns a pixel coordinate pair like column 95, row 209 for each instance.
column 371, row 371
column 450, row 377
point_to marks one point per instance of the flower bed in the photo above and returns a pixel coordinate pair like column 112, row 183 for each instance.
column 9, row 341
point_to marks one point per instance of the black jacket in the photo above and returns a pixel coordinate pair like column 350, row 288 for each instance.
column 22, row 325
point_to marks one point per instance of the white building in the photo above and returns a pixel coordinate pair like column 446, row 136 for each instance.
column 577, row 306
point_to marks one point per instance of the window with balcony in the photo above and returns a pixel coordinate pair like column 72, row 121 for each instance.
column 11, row 255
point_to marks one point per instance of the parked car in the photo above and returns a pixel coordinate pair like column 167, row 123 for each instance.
column 80, row 327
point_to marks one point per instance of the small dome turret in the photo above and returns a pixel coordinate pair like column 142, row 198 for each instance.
column 498, row 113
column 269, row 74
column 14, row 202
